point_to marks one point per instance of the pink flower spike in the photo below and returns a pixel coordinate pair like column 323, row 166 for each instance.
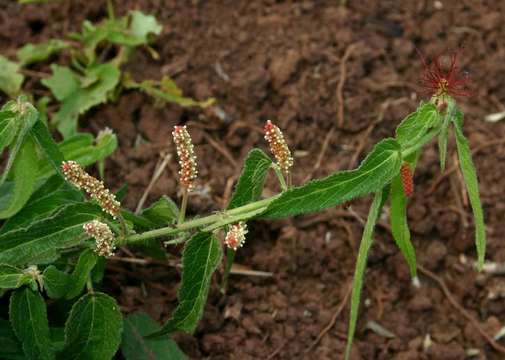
column 278, row 146
column 187, row 160
column 235, row 237
column 103, row 236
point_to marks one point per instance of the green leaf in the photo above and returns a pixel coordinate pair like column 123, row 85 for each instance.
column 28, row 317
column 12, row 277
column 376, row 171
column 93, row 328
column 56, row 282
column 416, row 125
column 31, row 53
column 444, row 133
column 10, row 78
column 472, row 187
column 399, row 225
column 359, row 272
column 135, row 346
column 143, row 25
column 10, row 348
column 23, row 174
column 252, row 180
column 41, row 241
column 86, row 263
column 79, row 95
column 200, row 259
column 8, row 128
column 26, row 116
column 165, row 90
column 48, row 146
column 162, row 212
column 53, row 194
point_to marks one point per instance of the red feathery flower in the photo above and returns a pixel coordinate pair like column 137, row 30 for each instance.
column 440, row 78
column 407, row 179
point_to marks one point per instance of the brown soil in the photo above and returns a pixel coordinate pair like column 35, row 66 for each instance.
column 285, row 60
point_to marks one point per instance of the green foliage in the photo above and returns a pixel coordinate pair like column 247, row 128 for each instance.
column 200, row 259
column 166, row 91
column 252, row 180
column 411, row 130
column 359, row 272
column 32, row 53
column 135, row 345
column 56, row 282
column 12, row 277
column 78, row 94
column 10, row 78
column 376, row 171
column 86, row 263
column 43, row 240
column 93, row 328
column 28, row 317
column 472, row 187
column 399, row 225
column 10, row 348
column 162, row 212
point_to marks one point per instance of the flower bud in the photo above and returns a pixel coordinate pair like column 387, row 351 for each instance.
column 278, row 146
column 235, row 237
column 187, row 159
column 95, row 188
column 407, row 179
column 104, row 237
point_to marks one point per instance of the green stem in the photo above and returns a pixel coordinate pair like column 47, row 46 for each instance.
column 230, row 256
column 221, row 218
column 184, row 205
column 280, row 176
column 110, row 10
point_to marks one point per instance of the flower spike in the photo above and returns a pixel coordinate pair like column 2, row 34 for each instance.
column 95, row 188
column 103, row 235
column 235, row 237
column 278, row 146
column 187, row 158
column 439, row 79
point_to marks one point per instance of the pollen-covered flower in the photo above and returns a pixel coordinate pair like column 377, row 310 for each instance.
column 95, row 188
column 407, row 179
column 104, row 237
column 187, row 158
column 235, row 237
column 278, row 146
column 442, row 77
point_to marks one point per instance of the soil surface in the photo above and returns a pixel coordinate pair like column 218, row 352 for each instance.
column 344, row 75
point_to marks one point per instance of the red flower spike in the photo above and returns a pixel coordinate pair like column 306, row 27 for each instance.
column 440, row 79
column 187, row 160
column 278, row 146
column 407, row 179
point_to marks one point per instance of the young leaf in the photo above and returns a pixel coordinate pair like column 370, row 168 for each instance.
column 32, row 53
column 472, row 187
column 56, row 282
column 86, row 263
column 28, row 317
column 10, row 348
column 359, row 272
column 93, row 328
column 78, row 96
column 252, row 180
column 8, row 128
column 11, row 277
column 399, row 225
column 10, row 79
column 42, row 241
column 23, row 174
column 200, row 258
column 143, row 25
column 165, row 90
column 377, row 170
column 26, row 116
column 162, row 212
column 136, row 346
column 416, row 125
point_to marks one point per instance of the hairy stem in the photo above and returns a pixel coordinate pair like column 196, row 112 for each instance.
column 280, row 177
column 184, row 205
